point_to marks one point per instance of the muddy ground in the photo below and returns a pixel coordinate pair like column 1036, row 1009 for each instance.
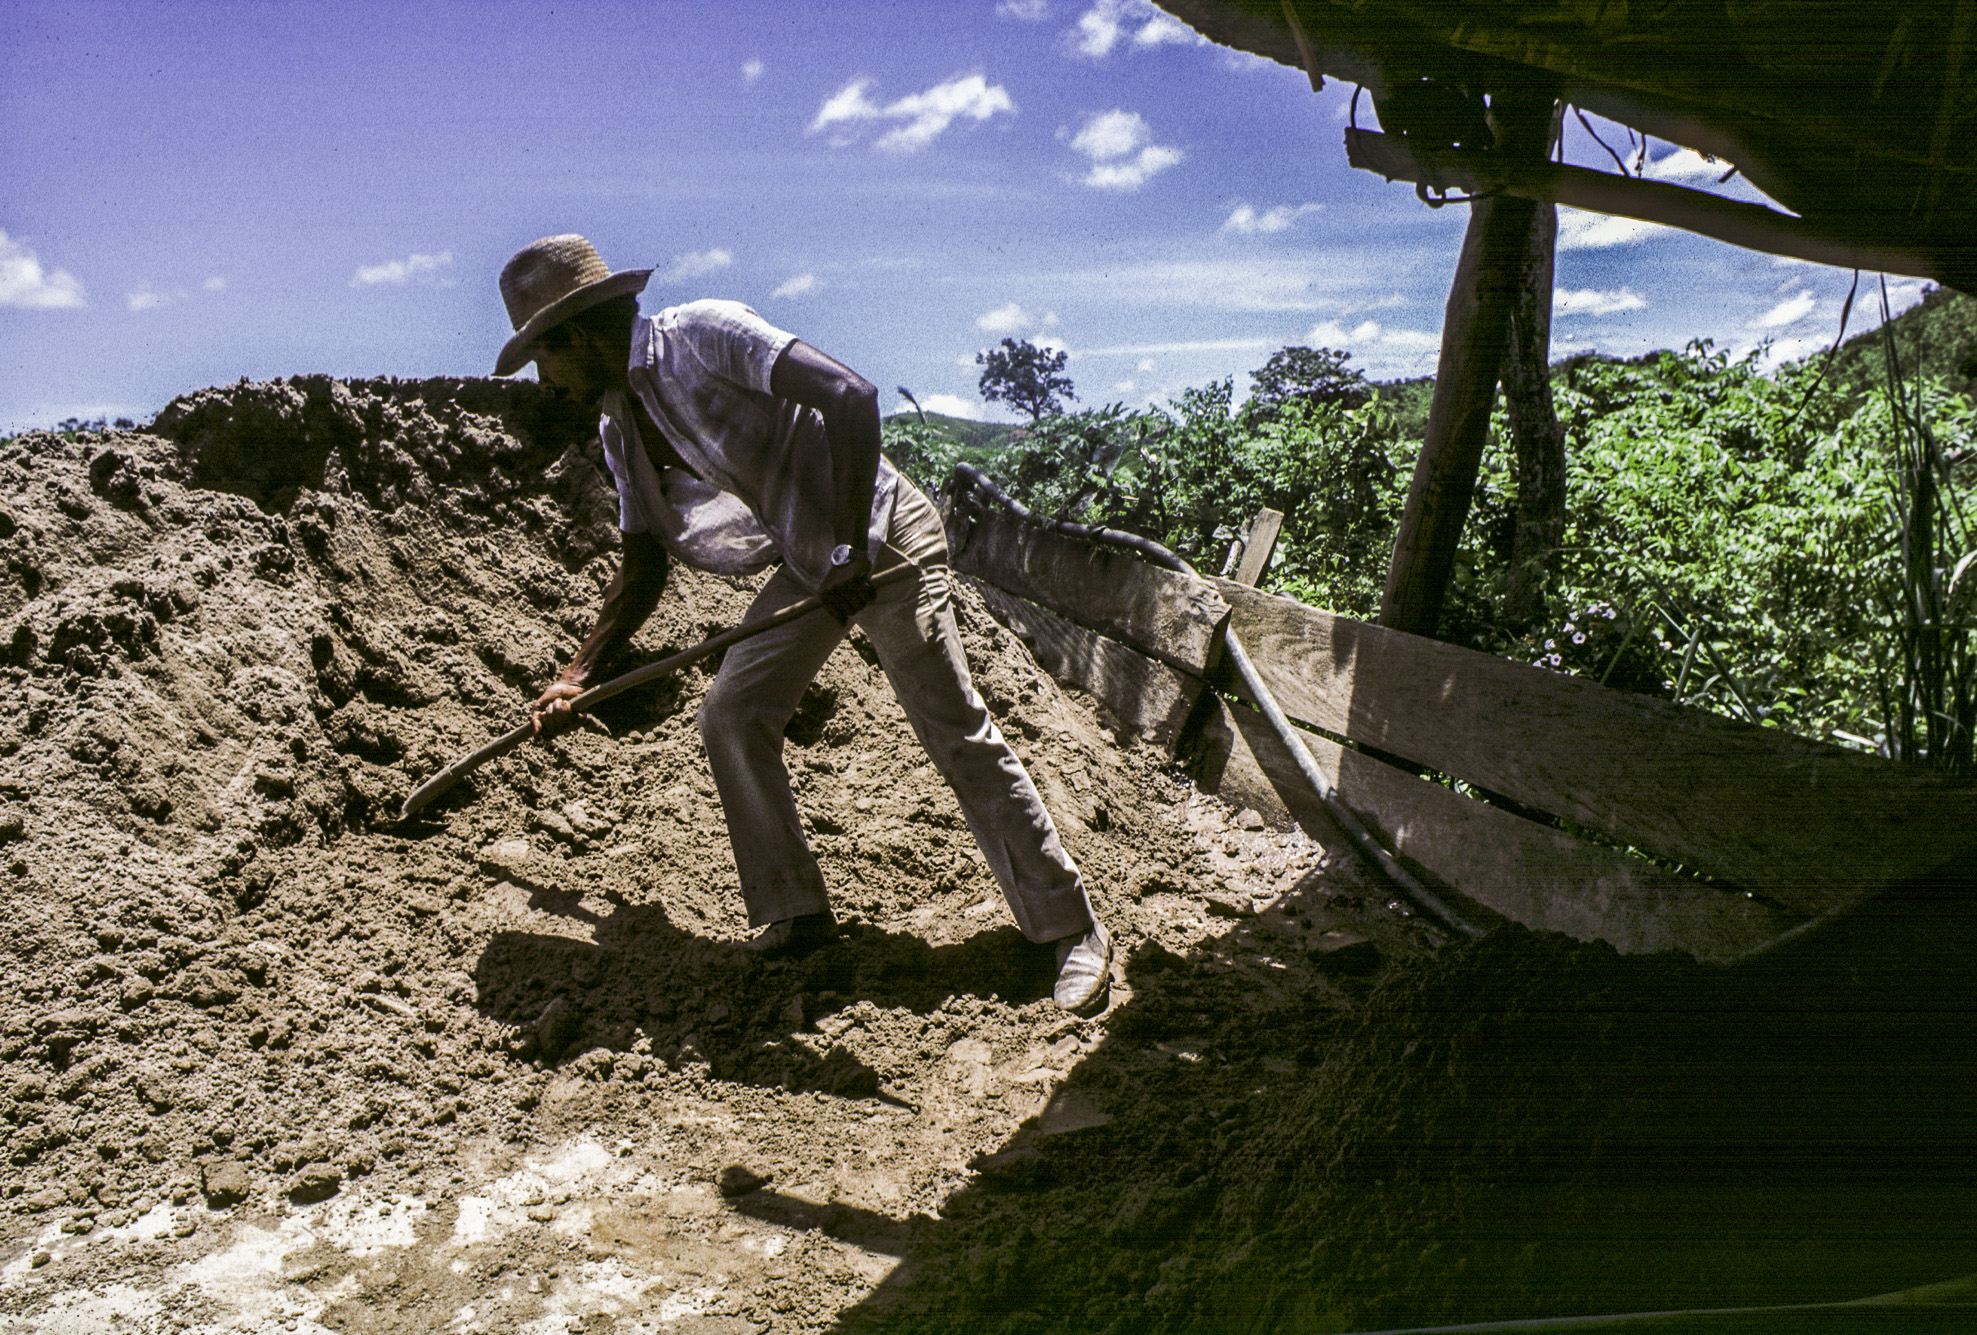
column 269, row 1061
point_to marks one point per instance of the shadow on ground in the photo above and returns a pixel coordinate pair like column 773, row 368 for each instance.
column 693, row 999
column 1521, row 1126
column 1517, row 1127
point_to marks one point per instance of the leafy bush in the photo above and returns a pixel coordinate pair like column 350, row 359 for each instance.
column 1734, row 538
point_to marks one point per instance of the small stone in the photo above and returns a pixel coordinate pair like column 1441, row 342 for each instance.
column 542, row 1214
column 556, row 826
column 508, row 855
column 38, row 1260
column 1345, row 952
column 555, row 1028
column 317, row 1182
column 739, row 1181
column 1249, row 818
column 227, row 1184
column 185, row 1227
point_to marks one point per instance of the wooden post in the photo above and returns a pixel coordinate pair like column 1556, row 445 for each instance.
column 1535, row 431
column 1259, row 545
column 1475, row 331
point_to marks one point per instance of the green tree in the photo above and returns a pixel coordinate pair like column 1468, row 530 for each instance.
column 1307, row 375
column 1026, row 377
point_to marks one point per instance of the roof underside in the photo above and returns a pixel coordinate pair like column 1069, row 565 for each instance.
column 1859, row 117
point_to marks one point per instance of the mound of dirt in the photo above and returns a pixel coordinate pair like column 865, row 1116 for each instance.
column 268, row 1061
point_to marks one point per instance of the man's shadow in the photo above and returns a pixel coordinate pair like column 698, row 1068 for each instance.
column 644, row 985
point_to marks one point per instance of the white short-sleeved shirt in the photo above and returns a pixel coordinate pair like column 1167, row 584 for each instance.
column 765, row 487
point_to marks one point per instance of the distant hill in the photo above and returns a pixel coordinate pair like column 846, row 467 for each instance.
column 1940, row 332
column 975, row 435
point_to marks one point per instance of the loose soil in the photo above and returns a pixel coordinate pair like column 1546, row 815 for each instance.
column 270, row 1061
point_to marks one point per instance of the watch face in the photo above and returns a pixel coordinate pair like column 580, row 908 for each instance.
column 841, row 554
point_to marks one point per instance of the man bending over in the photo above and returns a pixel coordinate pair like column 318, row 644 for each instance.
column 735, row 445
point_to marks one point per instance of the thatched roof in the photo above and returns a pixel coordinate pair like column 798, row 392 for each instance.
column 1859, row 117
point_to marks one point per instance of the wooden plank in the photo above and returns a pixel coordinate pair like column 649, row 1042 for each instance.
column 1259, row 545
column 1752, row 226
column 1806, row 824
column 1145, row 698
column 1528, row 872
column 1167, row 615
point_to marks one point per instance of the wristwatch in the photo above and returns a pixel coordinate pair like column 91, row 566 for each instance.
column 841, row 554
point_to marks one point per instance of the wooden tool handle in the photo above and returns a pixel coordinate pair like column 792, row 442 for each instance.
column 597, row 695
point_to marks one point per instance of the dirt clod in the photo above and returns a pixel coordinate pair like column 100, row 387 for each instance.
column 227, row 1184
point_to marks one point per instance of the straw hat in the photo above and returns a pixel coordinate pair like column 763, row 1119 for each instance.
column 546, row 283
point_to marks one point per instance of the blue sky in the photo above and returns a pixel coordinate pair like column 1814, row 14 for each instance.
column 193, row 192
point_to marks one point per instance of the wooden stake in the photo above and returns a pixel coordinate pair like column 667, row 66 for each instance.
column 1259, row 545
column 1475, row 330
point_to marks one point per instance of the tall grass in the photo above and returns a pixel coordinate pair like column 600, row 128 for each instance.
column 1929, row 691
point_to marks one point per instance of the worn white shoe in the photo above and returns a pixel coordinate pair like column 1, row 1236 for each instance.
column 1084, row 971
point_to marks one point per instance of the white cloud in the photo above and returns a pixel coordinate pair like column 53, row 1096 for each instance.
column 1311, row 283
column 402, row 271
column 952, row 405
column 1685, row 164
column 1004, row 319
column 1027, row 11
column 1149, row 350
column 1246, row 221
column 1145, row 367
column 1587, row 301
column 1783, row 350
column 23, row 282
column 751, row 70
column 848, row 103
column 1381, row 351
column 925, row 114
column 697, row 264
column 1108, row 22
column 147, row 299
column 800, row 286
column 1578, row 230
column 1789, row 311
column 1121, row 152
column 1165, row 30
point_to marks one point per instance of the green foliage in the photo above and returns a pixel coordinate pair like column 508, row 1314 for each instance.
column 1190, row 475
column 1307, row 375
column 1734, row 539
column 963, row 430
column 1937, row 341
column 1026, row 377
column 1740, row 529
column 927, row 451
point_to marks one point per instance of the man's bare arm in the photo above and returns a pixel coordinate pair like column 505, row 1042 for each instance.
column 628, row 600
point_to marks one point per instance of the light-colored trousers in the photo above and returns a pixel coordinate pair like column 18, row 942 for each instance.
column 911, row 626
